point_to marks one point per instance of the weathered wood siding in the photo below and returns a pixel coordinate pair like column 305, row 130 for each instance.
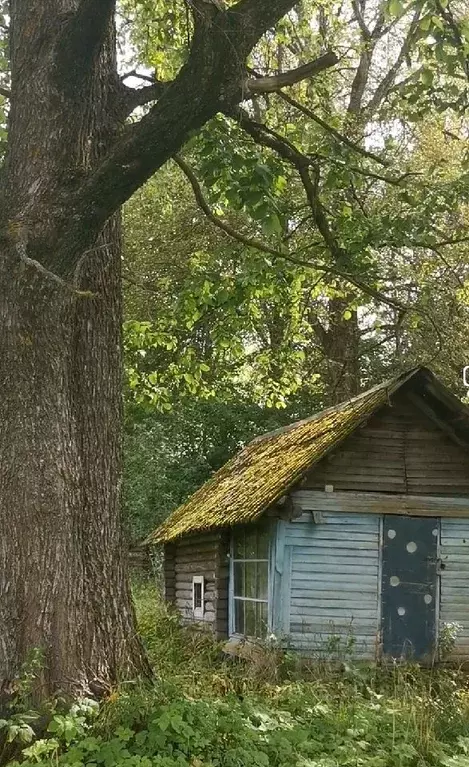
column 205, row 555
column 454, row 583
column 400, row 450
column 333, row 603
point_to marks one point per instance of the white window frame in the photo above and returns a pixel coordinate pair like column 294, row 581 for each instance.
column 233, row 599
column 198, row 612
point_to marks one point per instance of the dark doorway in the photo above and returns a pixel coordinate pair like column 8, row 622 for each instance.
column 409, row 587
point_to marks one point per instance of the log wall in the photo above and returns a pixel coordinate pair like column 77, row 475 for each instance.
column 206, row 555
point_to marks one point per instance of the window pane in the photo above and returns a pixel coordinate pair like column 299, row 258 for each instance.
column 238, row 585
column 251, row 579
column 261, row 619
column 251, row 544
column 197, row 595
column 239, row 616
column 238, row 544
column 263, row 543
column 262, row 580
column 250, row 619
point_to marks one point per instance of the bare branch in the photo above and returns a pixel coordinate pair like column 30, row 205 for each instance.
column 21, row 249
column 362, row 73
column 360, row 80
column 388, row 80
column 337, row 135
column 357, row 12
column 5, row 92
column 135, row 97
column 138, row 75
column 379, row 29
column 276, row 82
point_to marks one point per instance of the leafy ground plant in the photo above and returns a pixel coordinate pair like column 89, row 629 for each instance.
column 206, row 711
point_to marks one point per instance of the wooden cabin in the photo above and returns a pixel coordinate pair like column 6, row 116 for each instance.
column 345, row 531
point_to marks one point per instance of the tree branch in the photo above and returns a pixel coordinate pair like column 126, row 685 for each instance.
column 274, row 83
column 362, row 73
column 138, row 97
column 5, row 92
column 211, row 77
column 135, row 97
column 337, row 135
column 447, row 15
column 264, row 248
column 250, row 242
column 252, row 18
column 366, row 34
column 302, row 163
column 388, row 80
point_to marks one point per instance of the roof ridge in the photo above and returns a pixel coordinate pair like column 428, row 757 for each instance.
column 389, row 383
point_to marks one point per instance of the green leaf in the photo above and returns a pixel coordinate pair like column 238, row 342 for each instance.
column 272, row 225
column 426, row 77
column 396, row 8
column 425, row 23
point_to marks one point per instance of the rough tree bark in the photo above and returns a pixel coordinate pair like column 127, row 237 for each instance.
column 341, row 345
column 70, row 164
column 63, row 585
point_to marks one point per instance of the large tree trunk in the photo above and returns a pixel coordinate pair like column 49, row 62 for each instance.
column 63, row 581
column 340, row 345
column 69, row 166
column 342, row 352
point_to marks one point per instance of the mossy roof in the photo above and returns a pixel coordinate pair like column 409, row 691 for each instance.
column 267, row 467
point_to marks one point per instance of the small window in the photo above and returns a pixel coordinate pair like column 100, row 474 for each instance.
column 198, row 596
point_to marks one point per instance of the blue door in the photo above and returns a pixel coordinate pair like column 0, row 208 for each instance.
column 409, row 587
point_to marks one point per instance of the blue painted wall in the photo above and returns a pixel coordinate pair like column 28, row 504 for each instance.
column 454, row 585
column 326, row 584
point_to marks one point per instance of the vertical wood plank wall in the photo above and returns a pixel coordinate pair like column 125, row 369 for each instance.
column 334, row 584
column 205, row 555
column 454, row 583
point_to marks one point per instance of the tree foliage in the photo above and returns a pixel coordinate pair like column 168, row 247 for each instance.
column 317, row 229
column 328, row 190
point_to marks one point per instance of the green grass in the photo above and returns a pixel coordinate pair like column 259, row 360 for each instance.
column 206, row 711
